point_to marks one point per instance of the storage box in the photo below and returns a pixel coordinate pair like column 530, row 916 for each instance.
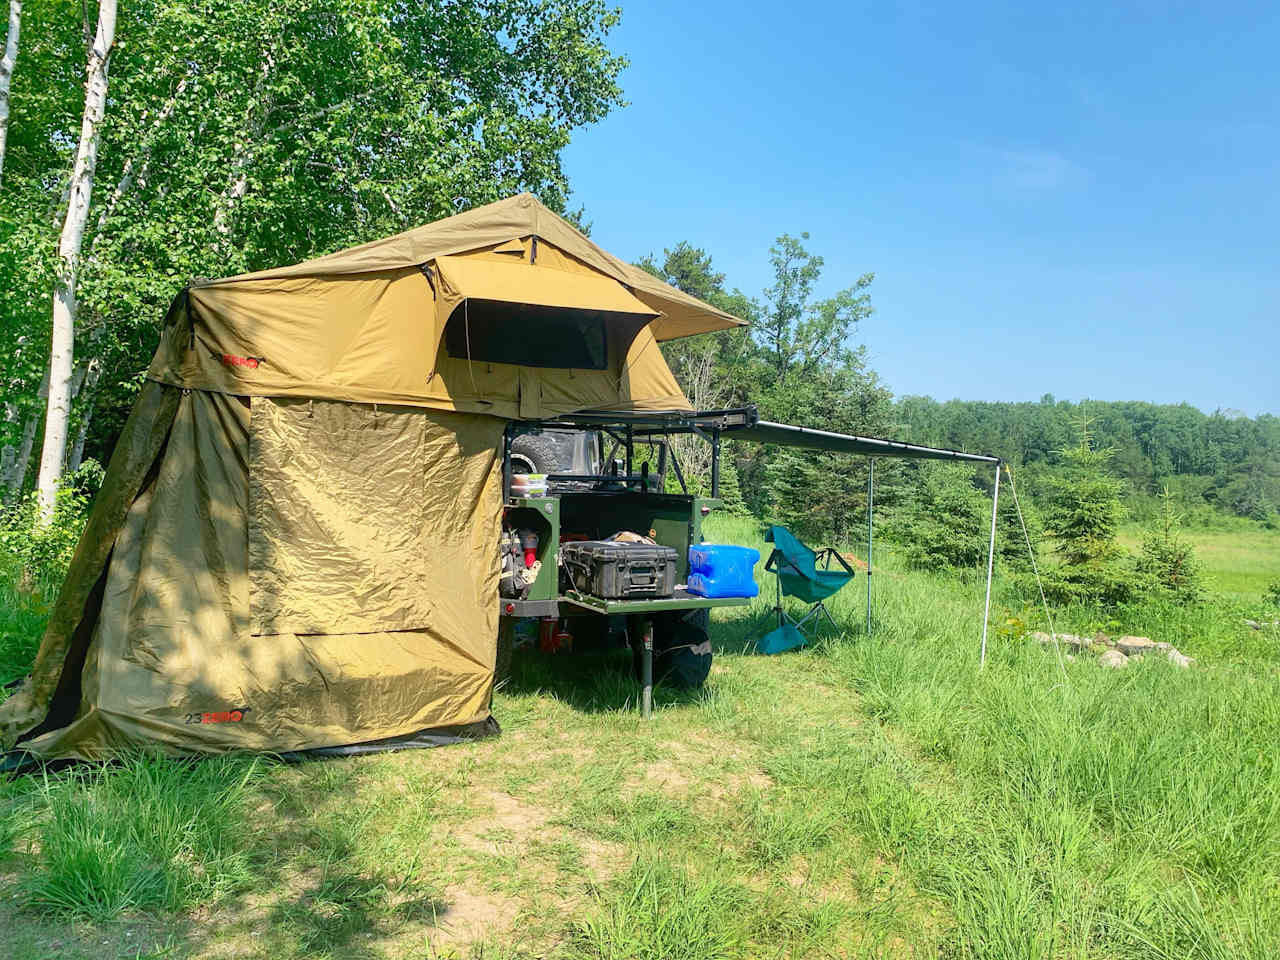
column 619, row 571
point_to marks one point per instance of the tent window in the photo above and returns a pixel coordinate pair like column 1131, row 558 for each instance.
column 493, row 331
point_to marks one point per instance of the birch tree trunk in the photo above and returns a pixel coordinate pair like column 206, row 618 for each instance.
column 16, row 473
column 6, row 71
column 69, row 244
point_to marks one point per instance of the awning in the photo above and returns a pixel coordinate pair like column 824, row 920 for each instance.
column 785, row 435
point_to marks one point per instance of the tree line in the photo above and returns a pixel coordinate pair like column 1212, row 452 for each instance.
column 1221, row 460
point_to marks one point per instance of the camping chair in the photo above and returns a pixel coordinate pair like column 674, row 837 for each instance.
column 796, row 567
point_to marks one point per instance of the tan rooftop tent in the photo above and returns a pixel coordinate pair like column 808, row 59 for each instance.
column 295, row 543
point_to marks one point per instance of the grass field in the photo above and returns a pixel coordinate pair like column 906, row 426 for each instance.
column 1239, row 563
column 871, row 796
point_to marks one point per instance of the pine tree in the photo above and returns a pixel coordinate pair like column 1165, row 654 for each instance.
column 1085, row 513
column 1168, row 559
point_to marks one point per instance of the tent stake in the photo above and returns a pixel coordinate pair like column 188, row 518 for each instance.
column 871, row 492
column 991, row 564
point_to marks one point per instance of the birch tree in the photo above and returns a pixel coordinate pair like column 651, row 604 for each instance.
column 7, row 62
column 62, row 343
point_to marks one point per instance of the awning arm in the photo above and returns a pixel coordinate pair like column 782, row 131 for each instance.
column 785, row 435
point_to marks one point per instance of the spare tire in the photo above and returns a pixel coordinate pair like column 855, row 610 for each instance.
column 531, row 453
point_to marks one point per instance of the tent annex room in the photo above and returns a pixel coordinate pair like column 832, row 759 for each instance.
column 295, row 544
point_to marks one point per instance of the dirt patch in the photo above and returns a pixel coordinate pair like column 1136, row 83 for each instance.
column 510, row 821
column 471, row 917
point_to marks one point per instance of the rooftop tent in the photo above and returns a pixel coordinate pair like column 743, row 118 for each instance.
column 294, row 544
column 415, row 319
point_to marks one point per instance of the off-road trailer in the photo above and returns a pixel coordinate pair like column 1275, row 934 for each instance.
column 618, row 495
column 625, row 496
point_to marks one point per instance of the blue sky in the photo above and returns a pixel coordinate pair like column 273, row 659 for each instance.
column 1081, row 201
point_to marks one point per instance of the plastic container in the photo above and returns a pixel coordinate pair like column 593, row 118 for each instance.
column 620, row 571
column 529, row 485
column 722, row 570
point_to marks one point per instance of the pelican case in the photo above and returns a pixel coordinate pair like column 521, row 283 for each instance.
column 619, row 571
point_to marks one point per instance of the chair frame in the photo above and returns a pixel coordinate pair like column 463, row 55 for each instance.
column 777, row 560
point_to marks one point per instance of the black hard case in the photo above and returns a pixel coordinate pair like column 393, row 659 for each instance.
column 619, row 571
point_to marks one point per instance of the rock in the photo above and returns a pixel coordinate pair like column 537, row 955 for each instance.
column 1178, row 659
column 1253, row 624
column 1163, row 647
column 1068, row 640
column 1113, row 659
column 1135, row 646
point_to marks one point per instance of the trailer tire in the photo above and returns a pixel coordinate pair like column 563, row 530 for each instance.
column 681, row 648
column 531, row 453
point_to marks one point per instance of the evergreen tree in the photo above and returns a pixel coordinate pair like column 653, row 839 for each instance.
column 1169, row 560
column 1085, row 513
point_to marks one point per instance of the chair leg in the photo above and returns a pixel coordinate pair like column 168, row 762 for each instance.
column 826, row 613
column 778, row 606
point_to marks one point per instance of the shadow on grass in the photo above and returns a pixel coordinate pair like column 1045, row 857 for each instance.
column 596, row 682
column 344, row 912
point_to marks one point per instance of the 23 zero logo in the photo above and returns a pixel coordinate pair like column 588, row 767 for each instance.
column 218, row 716
column 232, row 360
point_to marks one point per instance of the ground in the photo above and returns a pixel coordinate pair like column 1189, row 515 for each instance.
column 870, row 796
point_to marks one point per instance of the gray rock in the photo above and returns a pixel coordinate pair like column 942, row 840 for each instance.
column 1068, row 640
column 1135, row 646
column 1178, row 659
column 1163, row 647
column 1113, row 659
column 1253, row 624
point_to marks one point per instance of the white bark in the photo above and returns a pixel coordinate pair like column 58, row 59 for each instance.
column 85, row 385
column 82, row 433
column 6, row 70
column 69, row 244
column 16, row 474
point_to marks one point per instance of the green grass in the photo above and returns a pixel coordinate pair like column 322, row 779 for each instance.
column 866, row 797
column 1239, row 563
column 22, row 620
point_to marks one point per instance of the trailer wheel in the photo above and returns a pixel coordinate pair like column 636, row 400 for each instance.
column 681, row 648
column 531, row 453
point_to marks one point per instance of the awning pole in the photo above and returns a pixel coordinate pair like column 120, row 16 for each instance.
column 715, row 463
column 991, row 564
column 871, row 493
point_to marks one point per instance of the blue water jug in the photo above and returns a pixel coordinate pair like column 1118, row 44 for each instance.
column 722, row 570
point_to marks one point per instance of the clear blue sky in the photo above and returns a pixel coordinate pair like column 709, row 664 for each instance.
column 1082, row 201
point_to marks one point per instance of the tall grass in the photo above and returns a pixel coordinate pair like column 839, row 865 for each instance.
column 1076, row 812
column 150, row 833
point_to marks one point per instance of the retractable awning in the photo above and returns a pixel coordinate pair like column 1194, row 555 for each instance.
column 743, row 423
column 785, row 435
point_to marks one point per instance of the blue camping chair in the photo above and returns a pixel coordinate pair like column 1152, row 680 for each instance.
column 796, row 568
